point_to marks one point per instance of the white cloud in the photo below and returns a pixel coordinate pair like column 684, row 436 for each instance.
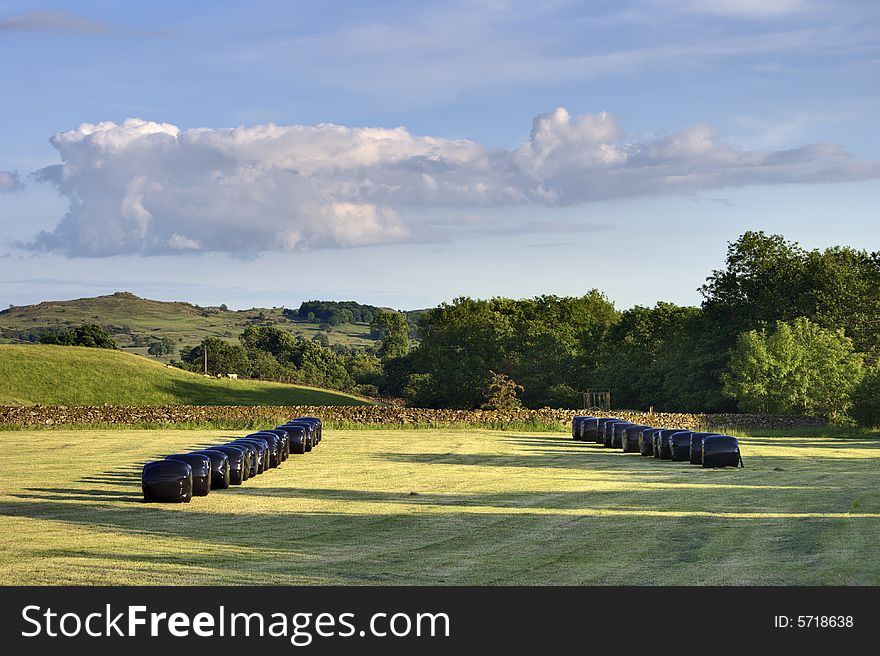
column 50, row 21
column 151, row 188
column 9, row 181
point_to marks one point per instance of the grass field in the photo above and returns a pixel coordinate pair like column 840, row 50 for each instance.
column 442, row 507
column 71, row 375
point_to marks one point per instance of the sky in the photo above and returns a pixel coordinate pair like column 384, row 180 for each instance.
column 404, row 154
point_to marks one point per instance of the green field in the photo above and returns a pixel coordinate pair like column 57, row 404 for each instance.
column 442, row 507
column 72, row 375
column 126, row 315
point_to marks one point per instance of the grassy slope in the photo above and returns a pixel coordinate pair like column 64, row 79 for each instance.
column 69, row 375
column 490, row 507
column 184, row 323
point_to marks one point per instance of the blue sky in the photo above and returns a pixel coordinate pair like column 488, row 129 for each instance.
column 403, row 154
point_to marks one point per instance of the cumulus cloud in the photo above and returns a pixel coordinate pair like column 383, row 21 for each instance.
column 152, row 188
column 9, row 181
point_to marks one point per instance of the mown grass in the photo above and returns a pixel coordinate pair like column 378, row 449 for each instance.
column 69, row 375
column 442, row 507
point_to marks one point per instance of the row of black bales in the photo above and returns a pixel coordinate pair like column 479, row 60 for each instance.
column 180, row 476
column 696, row 447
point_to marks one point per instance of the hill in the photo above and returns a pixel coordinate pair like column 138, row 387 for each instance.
column 134, row 321
column 71, row 375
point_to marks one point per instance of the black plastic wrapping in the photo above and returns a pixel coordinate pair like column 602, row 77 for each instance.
column 576, row 427
column 721, row 451
column 317, row 430
column 201, row 471
column 296, row 437
column 696, row 453
column 219, row 468
column 629, row 438
column 589, row 429
column 655, row 443
column 646, row 441
column 617, row 434
column 167, row 481
column 283, row 444
column 310, row 430
column 319, row 427
column 680, row 446
column 260, row 448
column 239, row 462
column 600, row 429
column 608, row 438
column 663, row 451
column 274, row 446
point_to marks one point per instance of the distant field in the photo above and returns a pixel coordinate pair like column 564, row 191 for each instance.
column 70, row 375
column 442, row 507
column 186, row 325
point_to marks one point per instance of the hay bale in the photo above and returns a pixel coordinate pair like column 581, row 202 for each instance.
column 261, row 448
column 663, row 452
column 680, row 446
column 617, row 432
column 310, row 430
column 317, row 426
column 275, row 446
column 296, row 438
column 721, row 451
column 283, row 442
column 696, row 453
column 201, row 471
column 219, row 468
column 239, row 462
column 646, row 441
column 167, row 481
column 629, row 438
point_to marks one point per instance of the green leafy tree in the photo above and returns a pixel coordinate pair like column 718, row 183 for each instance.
column 799, row 368
column 501, row 393
column 222, row 357
column 866, row 398
column 394, row 334
column 89, row 335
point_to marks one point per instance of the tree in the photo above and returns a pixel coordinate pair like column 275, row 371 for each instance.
column 161, row 346
column 394, row 334
column 501, row 393
column 223, row 357
column 90, row 335
column 866, row 398
column 799, row 368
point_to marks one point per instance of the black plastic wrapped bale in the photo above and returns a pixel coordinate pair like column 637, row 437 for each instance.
column 576, row 427
column 201, row 471
column 696, row 453
column 589, row 429
column 629, row 438
column 316, row 426
column 600, row 429
column 680, row 446
column 663, row 443
column 239, row 460
column 617, row 434
column 608, row 438
column 309, row 428
column 319, row 427
column 655, row 443
column 283, row 444
column 168, row 481
column 296, row 437
column 646, row 441
column 252, row 457
column 721, row 451
column 274, row 446
column 219, row 468
column 261, row 447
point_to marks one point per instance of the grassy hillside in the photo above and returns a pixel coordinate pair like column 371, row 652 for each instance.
column 71, row 375
column 128, row 317
column 442, row 507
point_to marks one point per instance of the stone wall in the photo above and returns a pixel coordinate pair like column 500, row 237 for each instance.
column 368, row 415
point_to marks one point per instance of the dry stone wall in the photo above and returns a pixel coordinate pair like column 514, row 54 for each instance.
column 369, row 416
